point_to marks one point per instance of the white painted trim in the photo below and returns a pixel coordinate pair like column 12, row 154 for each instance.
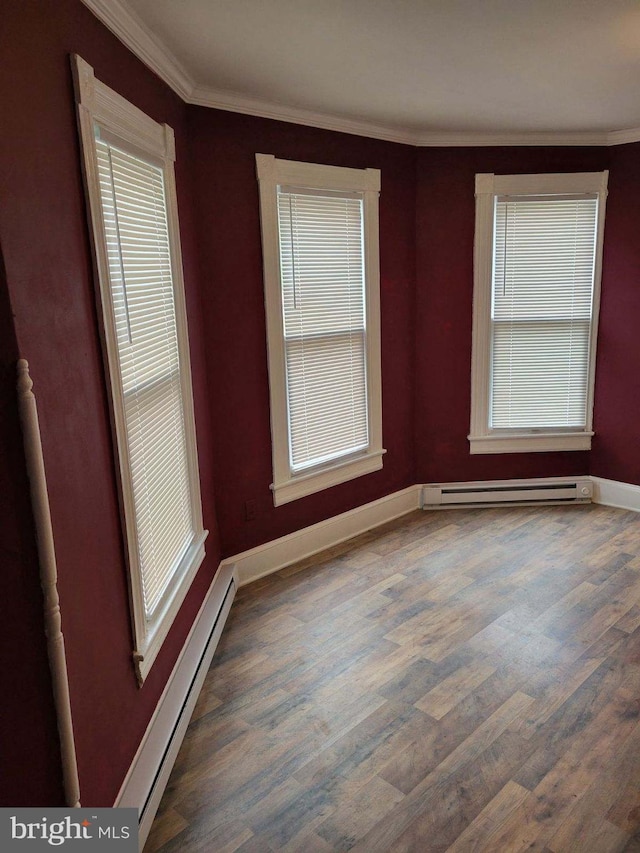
column 555, row 183
column 539, row 443
column 298, row 487
column 237, row 103
column 268, row 558
column 48, row 581
column 149, row 772
column 615, row 493
column 482, row 275
column 579, row 138
column 479, row 139
column 124, row 23
column 134, row 34
column 482, row 439
column 274, row 555
column 302, row 174
column 623, row 137
column 145, row 654
column 116, row 115
column 101, row 107
column 273, row 173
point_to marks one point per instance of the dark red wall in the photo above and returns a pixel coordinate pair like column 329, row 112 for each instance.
column 616, row 445
column 426, row 231
column 223, row 147
column 29, row 753
column 43, row 233
column 445, row 220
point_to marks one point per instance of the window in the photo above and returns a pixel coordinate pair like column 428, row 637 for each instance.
column 537, row 265
column 128, row 161
column 321, row 272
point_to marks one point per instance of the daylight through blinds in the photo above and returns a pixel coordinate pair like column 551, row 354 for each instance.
column 544, row 255
column 141, row 287
column 323, row 304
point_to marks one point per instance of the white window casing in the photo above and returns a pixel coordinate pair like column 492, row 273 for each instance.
column 537, row 270
column 322, row 299
column 129, row 175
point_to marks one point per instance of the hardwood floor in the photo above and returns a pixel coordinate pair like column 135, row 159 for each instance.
column 466, row 680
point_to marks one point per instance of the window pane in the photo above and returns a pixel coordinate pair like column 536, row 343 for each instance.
column 542, row 296
column 141, row 289
column 539, row 374
column 327, row 399
column 323, row 304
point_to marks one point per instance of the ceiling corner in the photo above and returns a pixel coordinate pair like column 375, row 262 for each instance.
column 135, row 35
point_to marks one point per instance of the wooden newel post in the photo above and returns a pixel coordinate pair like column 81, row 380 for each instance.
column 48, row 580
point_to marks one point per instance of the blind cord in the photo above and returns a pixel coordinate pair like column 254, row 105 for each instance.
column 119, row 242
column 293, row 256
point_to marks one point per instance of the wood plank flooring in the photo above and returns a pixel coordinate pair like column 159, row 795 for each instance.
column 466, row 680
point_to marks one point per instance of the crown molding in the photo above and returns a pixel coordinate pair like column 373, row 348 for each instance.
column 623, row 137
column 471, row 138
column 234, row 102
column 135, row 35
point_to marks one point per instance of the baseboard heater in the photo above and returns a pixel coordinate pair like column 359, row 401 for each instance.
column 149, row 772
column 174, row 742
column 508, row 493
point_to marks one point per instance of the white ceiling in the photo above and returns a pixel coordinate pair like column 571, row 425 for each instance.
column 412, row 70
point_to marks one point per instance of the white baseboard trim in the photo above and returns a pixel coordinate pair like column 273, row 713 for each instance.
column 616, row 494
column 265, row 559
column 149, row 772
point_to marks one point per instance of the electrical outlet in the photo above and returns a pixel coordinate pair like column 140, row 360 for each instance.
column 250, row 510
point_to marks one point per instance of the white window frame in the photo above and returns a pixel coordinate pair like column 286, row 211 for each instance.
column 98, row 105
column 483, row 439
column 287, row 485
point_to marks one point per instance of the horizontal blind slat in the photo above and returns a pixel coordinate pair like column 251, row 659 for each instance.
column 139, row 256
column 323, row 305
column 544, row 256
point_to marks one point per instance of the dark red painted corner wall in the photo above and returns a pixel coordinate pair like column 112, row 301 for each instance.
column 44, row 237
column 223, row 148
column 426, row 256
column 30, row 773
column 616, row 446
column 445, row 221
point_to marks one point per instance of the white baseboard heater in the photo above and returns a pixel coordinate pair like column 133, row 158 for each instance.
column 492, row 493
column 149, row 772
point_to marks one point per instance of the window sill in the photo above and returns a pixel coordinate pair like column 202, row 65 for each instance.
column 157, row 631
column 306, row 484
column 530, row 443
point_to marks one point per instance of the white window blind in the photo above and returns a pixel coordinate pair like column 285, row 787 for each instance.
column 541, row 312
column 323, row 305
column 132, row 195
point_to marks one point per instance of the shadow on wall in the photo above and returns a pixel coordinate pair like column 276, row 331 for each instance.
column 31, row 769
